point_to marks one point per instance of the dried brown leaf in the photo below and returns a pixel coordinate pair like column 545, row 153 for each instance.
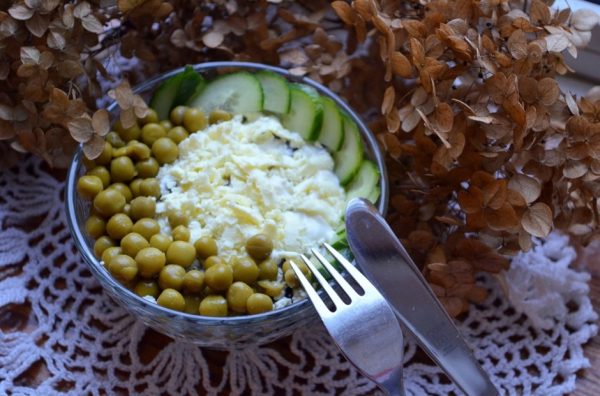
column 20, row 12
column 93, row 147
column 528, row 187
column 37, row 25
column 92, row 24
column 548, row 91
column 213, row 39
column 537, row 220
column 81, row 128
column 400, row 65
column 101, row 122
column 344, row 11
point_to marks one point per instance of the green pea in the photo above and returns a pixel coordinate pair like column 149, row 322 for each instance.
column 176, row 115
column 122, row 169
column 134, row 186
column 206, row 247
column 259, row 303
column 166, row 124
column 118, row 226
column 146, row 227
column 123, row 189
column 115, row 140
column 181, row 233
column 109, row 202
column 171, row 276
column 245, row 270
column 95, row 226
column 150, row 261
column 132, row 243
column 127, row 134
column 177, row 218
column 213, row 306
column 150, row 117
column 150, row 188
column 142, row 207
column 165, row 150
column 268, row 270
column 181, row 253
column 89, row 186
column 171, row 299
column 212, row 260
column 259, row 247
column 152, row 132
column 109, row 253
column 147, row 168
column 194, row 119
column 102, row 244
column 192, row 304
column 237, row 296
column 102, row 173
column 271, row 288
column 106, row 154
column 218, row 116
column 146, row 288
column 139, row 150
column 123, row 268
column 161, row 242
column 177, row 134
column 219, row 277
column 193, row 282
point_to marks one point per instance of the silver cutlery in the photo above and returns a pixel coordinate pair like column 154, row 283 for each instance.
column 386, row 263
column 365, row 329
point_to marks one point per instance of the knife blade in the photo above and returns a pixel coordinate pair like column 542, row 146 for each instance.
column 383, row 259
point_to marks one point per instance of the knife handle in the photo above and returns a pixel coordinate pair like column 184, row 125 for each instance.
column 386, row 263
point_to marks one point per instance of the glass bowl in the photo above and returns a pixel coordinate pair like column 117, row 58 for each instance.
column 211, row 332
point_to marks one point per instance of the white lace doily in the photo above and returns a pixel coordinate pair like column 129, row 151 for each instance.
column 83, row 343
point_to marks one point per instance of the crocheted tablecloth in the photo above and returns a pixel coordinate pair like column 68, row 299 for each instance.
column 60, row 334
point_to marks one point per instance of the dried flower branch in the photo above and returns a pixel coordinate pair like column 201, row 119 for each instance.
column 484, row 151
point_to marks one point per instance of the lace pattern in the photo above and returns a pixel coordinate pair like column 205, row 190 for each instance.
column 83, row 343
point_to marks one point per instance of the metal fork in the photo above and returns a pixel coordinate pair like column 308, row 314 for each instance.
column 366, row 330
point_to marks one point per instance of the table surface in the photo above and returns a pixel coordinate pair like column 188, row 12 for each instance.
column 588, row 382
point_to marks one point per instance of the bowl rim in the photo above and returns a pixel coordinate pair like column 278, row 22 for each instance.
column 102, row 275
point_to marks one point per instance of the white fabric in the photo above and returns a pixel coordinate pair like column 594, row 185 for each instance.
column 89, row 345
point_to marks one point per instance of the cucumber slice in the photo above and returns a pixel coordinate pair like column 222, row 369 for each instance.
column 238, row 93
column 276, row 91
column 349, row 157
column 332, row 129
column 191, row 84
column 164, row 96
column 374, row 195
column 306, row 112
column 175, row 91
column 365, row 181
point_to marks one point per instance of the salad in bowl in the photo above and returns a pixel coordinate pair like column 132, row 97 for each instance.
column 190, row 218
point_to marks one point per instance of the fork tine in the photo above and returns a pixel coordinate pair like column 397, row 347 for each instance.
column 336, row 275
column 337, row 301
column 310, row 291
column 352, row 270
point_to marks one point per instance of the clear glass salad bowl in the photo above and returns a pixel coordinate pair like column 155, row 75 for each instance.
column 238, row 331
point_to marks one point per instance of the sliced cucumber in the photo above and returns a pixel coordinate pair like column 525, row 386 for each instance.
column 237, row 93
column 191, row 84
column 276, row 92
column 164, row 96
column 364, row 182
column 349, row 157
column 332, row 129
column 306, row 112
column 374, row 195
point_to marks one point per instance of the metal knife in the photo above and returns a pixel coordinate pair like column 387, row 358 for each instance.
column 388, row 266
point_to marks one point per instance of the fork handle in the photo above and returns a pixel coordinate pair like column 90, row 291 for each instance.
column 393, row 385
